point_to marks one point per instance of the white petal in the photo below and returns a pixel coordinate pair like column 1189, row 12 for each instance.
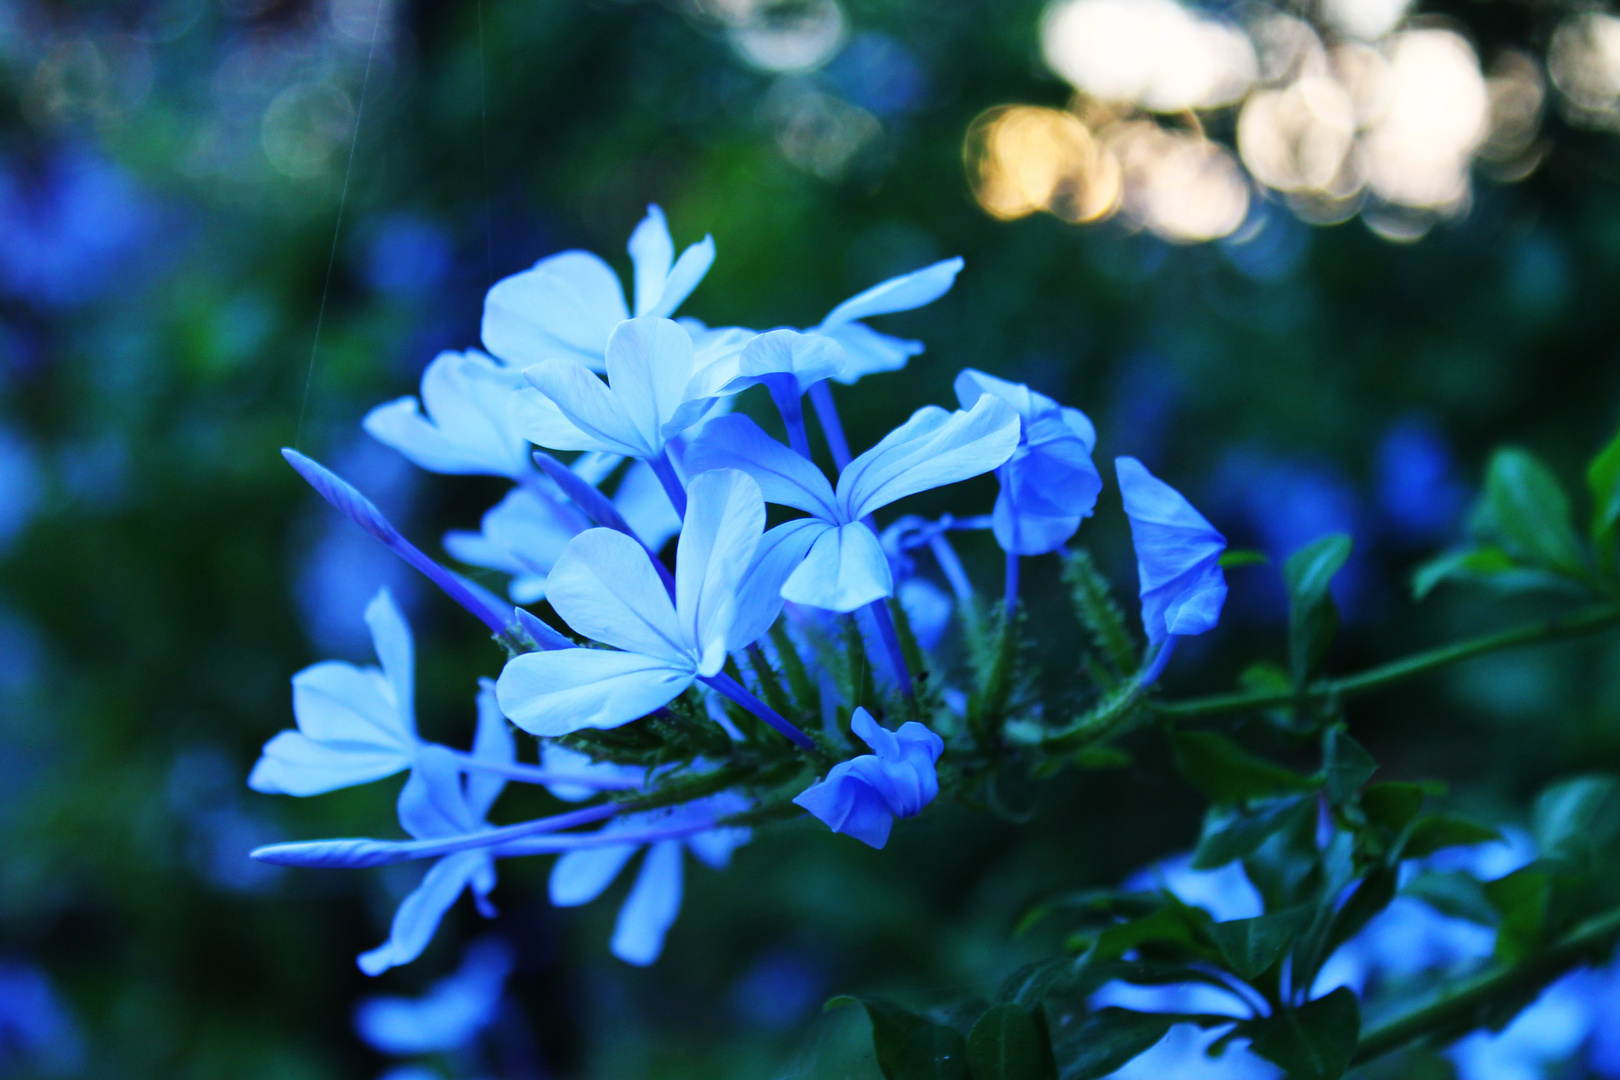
column 652, row 905
column 845, row 569
column 580, row 876
column 294, row 764
column 537, row 418
column 492, row 742
column 901, row 293
column 689, row 270
column 553, row 693
column 725, row 515
column 759, row 594
column 653, row 253
column 645, row 504
column 785, row 478
column 564, row 306
column 594, row 417
column 468, row 427
column 867, row 352
column 391, row 636
column 649, row 363
column 338, row 702
column 810, row 357
column 420, row 912
column 932, row 449
column 604, row 587
column 431, row 804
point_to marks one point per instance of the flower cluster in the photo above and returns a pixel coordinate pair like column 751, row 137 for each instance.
column 644, row 403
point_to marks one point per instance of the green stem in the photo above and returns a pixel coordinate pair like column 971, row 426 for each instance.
column 1374, row 678
column 793, row 667
column 1463, row 1008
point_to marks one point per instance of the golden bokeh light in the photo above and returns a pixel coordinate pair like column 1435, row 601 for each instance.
column 1180, row 186
column 1024, row 159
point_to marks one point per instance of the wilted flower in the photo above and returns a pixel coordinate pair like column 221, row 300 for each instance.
column 862, row 797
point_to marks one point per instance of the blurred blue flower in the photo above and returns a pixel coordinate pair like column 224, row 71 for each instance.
column 1551, row 1030
column 70, row 228
column 844, row 567
column 437, row 802
column 408, row 256
column 1177, row 553
column 606, row 587
column 655, row 899
column 203, row 792
column 779, row 989
column 37, row 1033
column 468, row 427
column 1269, row 244
column 21, row 485
column 452, row 1012
column 1418, row 491
column 865, row 350
column 568, row 304
column 928, row 609
column 355, row 725
column 862, row 797
column 878, row 73
column 1050, row 484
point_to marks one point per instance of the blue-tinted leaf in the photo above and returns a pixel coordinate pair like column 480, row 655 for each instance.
column 1006, row 1044
column 1346, row 765
column 1230, row 835
column 1432, row 832
column 1227, row 773
column 1526, row 512
column 1312, row 1042
column 1251, row 946
column 1107, row 1039
column 1313, row 618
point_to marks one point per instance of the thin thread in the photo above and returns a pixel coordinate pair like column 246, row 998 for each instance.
column 483, row 122
column 337, row 226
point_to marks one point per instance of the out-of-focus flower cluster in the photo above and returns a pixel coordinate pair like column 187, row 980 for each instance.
column 1358, row 109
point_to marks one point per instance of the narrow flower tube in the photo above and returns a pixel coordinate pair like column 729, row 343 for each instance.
column 364, row 513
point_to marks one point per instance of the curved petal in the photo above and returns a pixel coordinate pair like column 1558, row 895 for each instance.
column 605, row 587
column 867, row 352
column 468, row 427
column 419, row 913
column 492, row 742
column 591, row 414
column 725, row 515
column 759, row 593
column 294, row 764
column 537, row 418
column 553, row 693
column 652, row 905
column 431, row 804
column 846, row 804
column 932, row 449
column 338, row 702
column 785, row 478
column 845, row 569
column 391, row 636
column 810, row 357
column 1029, row 534
column 901, row 293
column 645, row 505
column 652, row 252
column 564, row 306
column 689, row 270
column 649, row 364
column 581, row 876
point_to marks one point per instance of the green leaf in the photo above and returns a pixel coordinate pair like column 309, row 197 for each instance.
column 1346, row 765
column 1577, row 819
column 1370, row 897
column 1107, row 1039
column 892, row 1027
column 1312, row 1042
column 1432, row 832
column 1526, row 512
column 1521, row 899
column 1005, row 1044
column 1033, row 983
column 1243, row 557
column 932, row 1052
column 1174, row 924
column 1473, row 562
column 1603, row 481
column 1230, row 835
column 1313, row 618
column 1252, row 946
column 1227, row 773
column 1394, row 804
column 1454, row 893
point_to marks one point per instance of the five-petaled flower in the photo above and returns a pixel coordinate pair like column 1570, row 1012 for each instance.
column 861, row 797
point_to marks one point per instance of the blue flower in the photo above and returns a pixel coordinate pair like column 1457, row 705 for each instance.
column 355, row 725
column 449, row 1016
column 606, row 588
column 845, row 567
column 655, row 899
column 437, row 802
column 568, row 304
column 653, row 393
column 862, row 797
column 1177, row 556
column 865, row 350
column 525, row 533
column 1049, row 485
column 468, row 427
